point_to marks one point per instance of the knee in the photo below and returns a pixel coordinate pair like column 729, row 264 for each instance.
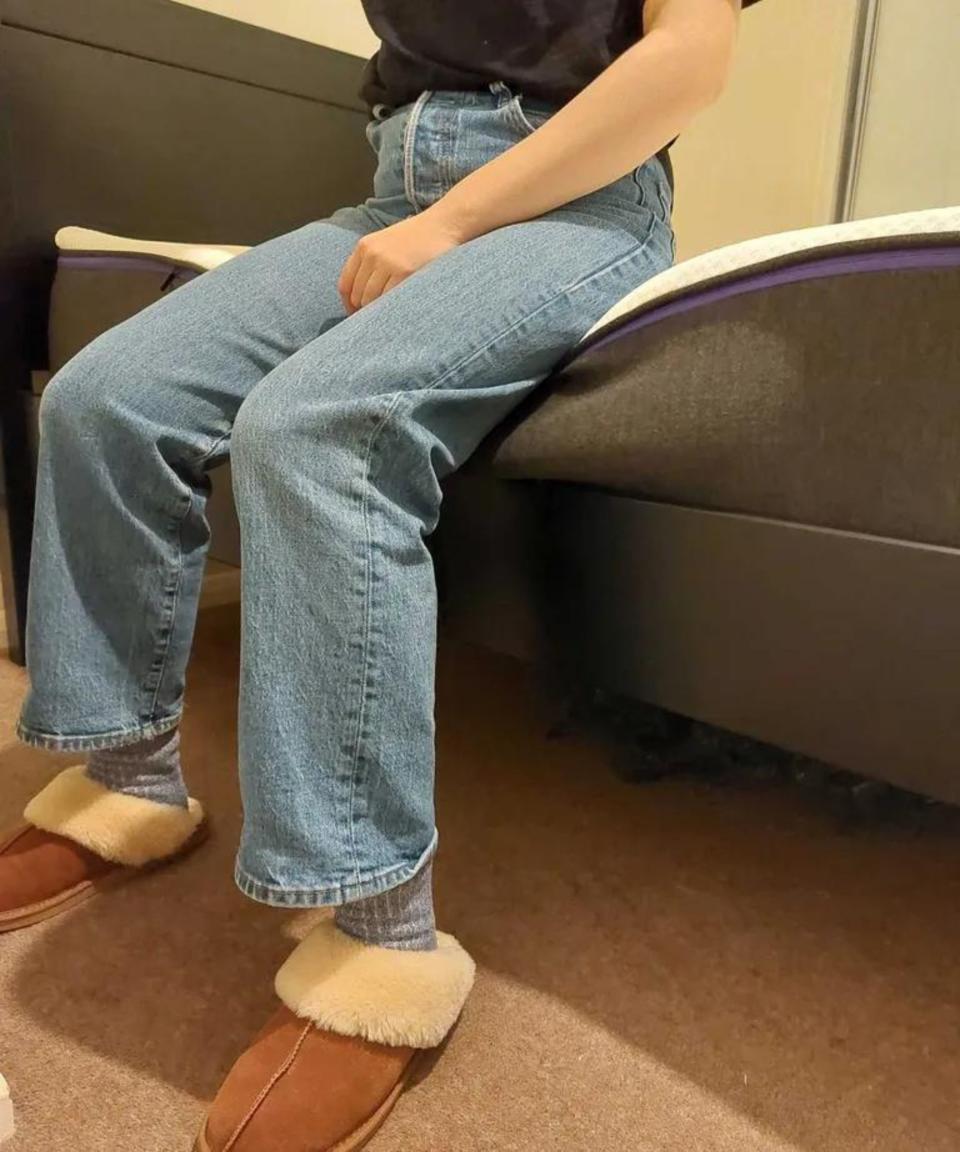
column 67, row 398
column 85, row 396
column 277, row 431
column 263, row 450
column 299, row 451
column 258, row 433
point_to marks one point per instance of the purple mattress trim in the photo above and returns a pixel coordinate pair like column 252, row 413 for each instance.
column 127, row 263
column 892, row 259
column 895, row 259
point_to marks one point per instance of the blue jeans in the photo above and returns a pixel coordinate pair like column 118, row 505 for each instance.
column 340, row 430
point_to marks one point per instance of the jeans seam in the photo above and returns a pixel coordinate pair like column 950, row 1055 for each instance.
column 172, row 597
column 96, row 741
column 409, row 142
column 367, row 614
column 447, row 158
column 371, row 884
column 170, row 608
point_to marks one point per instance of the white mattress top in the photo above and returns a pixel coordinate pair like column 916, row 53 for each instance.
column 687, row 274
column 200, row 256
column 748, row 253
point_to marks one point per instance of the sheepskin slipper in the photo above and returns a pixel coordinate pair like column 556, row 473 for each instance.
column 356, row 1023
column 78, row 839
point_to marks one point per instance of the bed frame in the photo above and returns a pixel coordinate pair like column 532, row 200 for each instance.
column 147, row 118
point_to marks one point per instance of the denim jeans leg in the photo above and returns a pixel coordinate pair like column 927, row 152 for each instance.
column 128, row 430
column 338, row 458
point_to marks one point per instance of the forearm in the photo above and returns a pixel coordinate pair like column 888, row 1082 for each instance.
column 639, row 104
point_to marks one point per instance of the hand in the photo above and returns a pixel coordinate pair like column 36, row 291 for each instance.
column 381, row 260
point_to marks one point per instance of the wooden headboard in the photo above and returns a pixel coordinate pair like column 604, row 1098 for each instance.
column 151, row 119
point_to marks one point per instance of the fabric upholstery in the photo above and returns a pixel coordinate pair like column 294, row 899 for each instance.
column 831, row 402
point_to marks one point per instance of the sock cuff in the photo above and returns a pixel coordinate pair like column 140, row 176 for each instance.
column 401, row 917
column 385, row 995
column 125, row 829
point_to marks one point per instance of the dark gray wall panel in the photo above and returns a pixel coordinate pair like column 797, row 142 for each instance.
column 119, row 143
column 201, row 41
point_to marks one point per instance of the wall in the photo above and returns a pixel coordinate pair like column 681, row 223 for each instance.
column 911, row 144
column 765, row 158
column 762, row 160
column 336, row 23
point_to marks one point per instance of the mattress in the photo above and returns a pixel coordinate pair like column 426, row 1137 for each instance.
column 811, row 376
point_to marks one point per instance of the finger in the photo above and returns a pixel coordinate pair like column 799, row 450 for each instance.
column 345, row 283
column 395, row 279
column 367, row 269
column 375, row 286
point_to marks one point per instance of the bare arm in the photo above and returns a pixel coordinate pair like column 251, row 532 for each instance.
column 635, row 107
column 639, row 104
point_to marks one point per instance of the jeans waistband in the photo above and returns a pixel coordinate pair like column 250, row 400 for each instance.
column 495, row 95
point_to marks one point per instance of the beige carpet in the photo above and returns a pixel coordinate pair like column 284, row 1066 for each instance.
column 667, row 967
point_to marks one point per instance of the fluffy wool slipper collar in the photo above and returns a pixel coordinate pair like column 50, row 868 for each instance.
column 386, row 995
column 128, row 830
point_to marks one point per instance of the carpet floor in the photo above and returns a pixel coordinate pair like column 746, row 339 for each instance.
column 662, row 968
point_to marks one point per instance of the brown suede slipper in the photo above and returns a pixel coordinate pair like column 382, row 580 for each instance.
column 69, row 873
column 298, row 1088
column 357, row 1025
column 78, row 839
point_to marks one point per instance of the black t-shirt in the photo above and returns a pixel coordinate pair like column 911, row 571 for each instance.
column 547, row 49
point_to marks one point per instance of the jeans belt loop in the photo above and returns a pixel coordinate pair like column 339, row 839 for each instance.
column 502, row 92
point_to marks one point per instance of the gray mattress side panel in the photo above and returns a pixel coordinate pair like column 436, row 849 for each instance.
column 833, row 402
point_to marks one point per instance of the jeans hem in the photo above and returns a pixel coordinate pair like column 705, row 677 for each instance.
column 96, row 741
column 330, row 895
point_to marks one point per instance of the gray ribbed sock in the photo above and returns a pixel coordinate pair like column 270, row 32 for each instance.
column 150, row 768
column 399, row 918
